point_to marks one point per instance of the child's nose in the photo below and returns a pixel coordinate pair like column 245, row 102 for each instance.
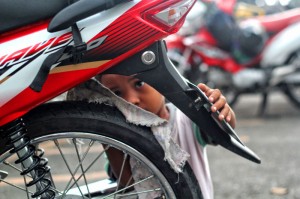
column 133, row 98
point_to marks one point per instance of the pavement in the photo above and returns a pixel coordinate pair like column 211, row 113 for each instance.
column 274, row 137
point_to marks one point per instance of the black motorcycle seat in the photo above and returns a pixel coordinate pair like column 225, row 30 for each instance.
column 18, row 13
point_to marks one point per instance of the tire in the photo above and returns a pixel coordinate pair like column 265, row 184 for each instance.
column 87, row 123
column 231, row 95
column 179, row 61
column 290, row 88
column 220, row 79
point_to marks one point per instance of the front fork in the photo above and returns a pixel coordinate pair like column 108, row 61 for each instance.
column 153, row 66
column 32, row 163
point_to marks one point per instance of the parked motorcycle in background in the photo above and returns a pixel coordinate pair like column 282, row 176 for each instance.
column 178, row 52
column 258, row 54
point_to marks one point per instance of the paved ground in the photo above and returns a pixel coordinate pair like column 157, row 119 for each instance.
column 275, row 138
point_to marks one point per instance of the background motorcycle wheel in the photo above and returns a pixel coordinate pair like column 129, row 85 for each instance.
column 177, row 58
column 77, row 132
column 194, row 71
column 220, row 79
column 292, row 88
column 199, row 73
column 231, row 95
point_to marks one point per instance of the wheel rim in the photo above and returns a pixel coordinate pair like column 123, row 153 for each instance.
column 86, row 149
column 293, row 90
column 230, row 94
column 179, row 61
column 292, row 81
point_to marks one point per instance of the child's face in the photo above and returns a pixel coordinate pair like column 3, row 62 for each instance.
column 136, row 92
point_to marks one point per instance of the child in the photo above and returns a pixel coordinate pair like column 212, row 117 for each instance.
column 186, row 134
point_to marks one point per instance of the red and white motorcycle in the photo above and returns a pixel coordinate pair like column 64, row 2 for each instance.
column 56, row 47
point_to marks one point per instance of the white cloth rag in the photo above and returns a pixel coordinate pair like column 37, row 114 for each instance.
column 93, row 91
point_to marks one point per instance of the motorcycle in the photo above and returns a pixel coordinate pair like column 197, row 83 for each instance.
column 258, row 54
column 60, row 45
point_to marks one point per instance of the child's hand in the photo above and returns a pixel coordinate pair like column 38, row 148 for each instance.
column 219, row 103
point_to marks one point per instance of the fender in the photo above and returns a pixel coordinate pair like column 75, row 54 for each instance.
column 282, row 46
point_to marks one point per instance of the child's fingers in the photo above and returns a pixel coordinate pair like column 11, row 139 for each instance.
column 219, row 103
column 207, row 90
column 203, row 87
column 214, row 95
column 228, row 118
column 225, row 113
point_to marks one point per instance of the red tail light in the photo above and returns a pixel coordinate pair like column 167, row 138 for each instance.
column 169, row 15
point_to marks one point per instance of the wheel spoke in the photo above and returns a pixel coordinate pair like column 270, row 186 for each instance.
column 93, row 162
column 81, row 167
column 27, row 191
column 140, row 192
column 119, row 191
column 66, row 163
column 19, row 170
column 122, row 169
column 77, row 167
column 18, row 187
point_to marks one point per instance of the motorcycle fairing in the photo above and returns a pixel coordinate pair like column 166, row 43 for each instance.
column 110, row 32
column 19, row 65
column 273, row 54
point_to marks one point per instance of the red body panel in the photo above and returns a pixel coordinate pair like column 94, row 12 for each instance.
column 203, row 40
column 278, row 21
column 126, row 35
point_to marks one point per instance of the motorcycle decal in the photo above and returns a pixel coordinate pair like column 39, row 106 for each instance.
column 49, row 44
column 75, row 67
column 19, row 67
column 118, row 43
column 26, row 55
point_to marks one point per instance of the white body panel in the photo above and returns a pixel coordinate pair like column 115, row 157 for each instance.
column 282, row 46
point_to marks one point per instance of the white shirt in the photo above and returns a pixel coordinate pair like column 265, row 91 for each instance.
column 184, row 134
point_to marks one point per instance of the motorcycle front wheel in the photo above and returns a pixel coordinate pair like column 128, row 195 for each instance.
column 291, row 86
column 75, row 137
column 292, row 90
column 220, row 79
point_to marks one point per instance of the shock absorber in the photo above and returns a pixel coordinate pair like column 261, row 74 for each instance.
column 30, row 158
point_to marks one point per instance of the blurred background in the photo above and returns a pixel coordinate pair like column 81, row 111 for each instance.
column 250, row 50
column 269, row 6
column 274, row 137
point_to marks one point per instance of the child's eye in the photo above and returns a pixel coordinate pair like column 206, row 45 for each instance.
column 139, row 84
